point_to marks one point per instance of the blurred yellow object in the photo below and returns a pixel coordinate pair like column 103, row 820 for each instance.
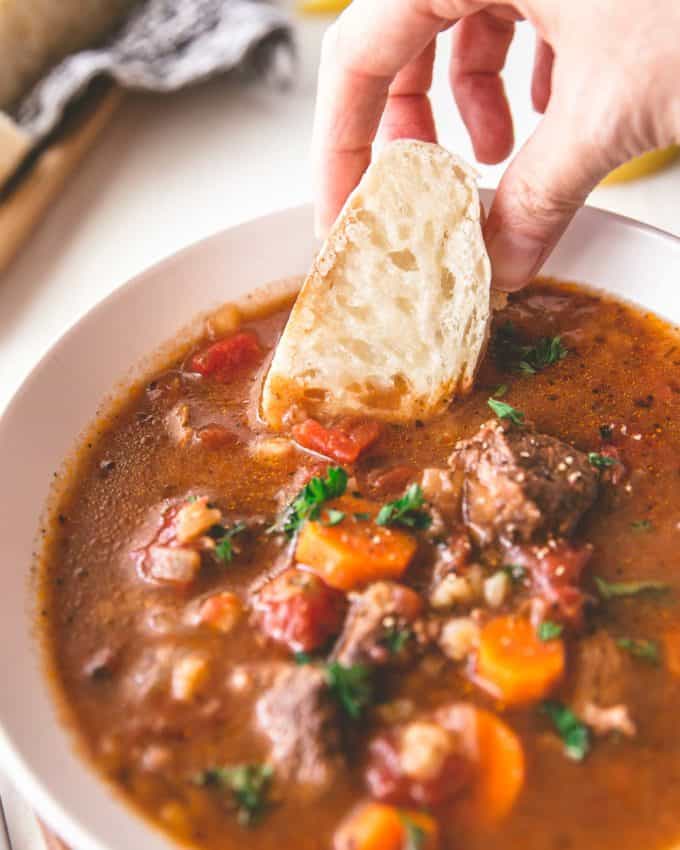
column 640, row 166
column 313, row 7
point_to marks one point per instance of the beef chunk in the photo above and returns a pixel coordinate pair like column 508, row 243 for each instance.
column 600, row 689
column 377, row 627
column 519, row 484
column 300, row 717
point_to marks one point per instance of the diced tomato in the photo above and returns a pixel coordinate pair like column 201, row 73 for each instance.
column 555, row 571
column 344, row 443
column 227, row 356
column 388, row 778
column 299, row 610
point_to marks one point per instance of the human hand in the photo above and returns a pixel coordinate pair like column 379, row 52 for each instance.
column 606, row 77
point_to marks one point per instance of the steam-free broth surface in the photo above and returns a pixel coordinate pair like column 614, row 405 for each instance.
column 187, row 636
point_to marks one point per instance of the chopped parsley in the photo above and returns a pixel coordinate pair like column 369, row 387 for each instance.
column 500, row 391
column 406, row 511
column 351, row 686
column 307, row 504
column 515, row 571
column 601, row 461
column 249, row 784
column 641, row 525
column 302, row 658
column 549, row 630
column 506, row 411
column 614, row 589
column 647, row 650
column 574, row 734
column 414, row 835
column 511, row 355
column 544, row 353
column 333, row 517
column 396, row 639
column 224, row 550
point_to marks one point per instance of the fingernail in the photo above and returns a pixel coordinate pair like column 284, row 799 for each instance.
column 515, row 259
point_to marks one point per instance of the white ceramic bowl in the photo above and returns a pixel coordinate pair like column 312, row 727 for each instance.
column 61, row 396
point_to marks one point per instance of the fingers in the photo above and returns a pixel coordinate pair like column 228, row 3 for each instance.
column 541, row 81
column 479, row 47
column 543, row 187
column 361, row 55
column 408, row 113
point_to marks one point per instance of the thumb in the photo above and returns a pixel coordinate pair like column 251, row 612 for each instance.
column 539, row 194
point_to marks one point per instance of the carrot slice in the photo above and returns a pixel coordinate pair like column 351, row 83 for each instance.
column 353, row 551
column 498, row 759
column 374, row 826
column 515, row 663
column 671, row 642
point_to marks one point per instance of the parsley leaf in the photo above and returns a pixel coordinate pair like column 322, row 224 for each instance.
column 500, row 391
column 506, row 411
column 414, row 838
column 647, row 650
column 515, row 571
column 406, row 511
column 641, row 525
column 351, row 686
column 549, row 630
column 545, row 352
column 307, row 504
column 601, row 461
column 333, row 517
column 224, row 550
column 614, row 589
column 396, row 639
column 302, row 658
column 574, row 734
column 249, row 784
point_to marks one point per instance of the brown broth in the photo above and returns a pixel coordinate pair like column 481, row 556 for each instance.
column 623, row 367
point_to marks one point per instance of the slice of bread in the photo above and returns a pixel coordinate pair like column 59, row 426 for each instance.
column 393, row 318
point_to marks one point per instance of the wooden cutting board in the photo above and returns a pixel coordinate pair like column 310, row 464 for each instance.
column 22, row 208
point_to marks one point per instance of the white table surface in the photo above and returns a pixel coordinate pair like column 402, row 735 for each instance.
column 174, row 169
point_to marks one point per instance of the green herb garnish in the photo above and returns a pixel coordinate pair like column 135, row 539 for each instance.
column 249, row 784
column 406, row 511
column 414, row 834
column 307, row 504
column 506, row 411
column 647, row 650
column 333, row 517
column 515, row 571
column 574, row 734
column 362, row 517
column 396, row 639
column 351, row 686
column 544, row 353
column 614, row 589
column 601, row 461
column 302, row 658
column 641, row 525
column 500, row 391
column 224, row 550
column 549, row 630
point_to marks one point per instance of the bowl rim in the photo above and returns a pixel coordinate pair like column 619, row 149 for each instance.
column 30, row 784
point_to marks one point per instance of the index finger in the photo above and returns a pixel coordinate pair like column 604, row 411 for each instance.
column 361, row 54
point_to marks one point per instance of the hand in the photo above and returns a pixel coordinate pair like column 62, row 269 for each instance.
column 606, row 76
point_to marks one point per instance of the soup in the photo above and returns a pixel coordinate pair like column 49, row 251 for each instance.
column 361, row 636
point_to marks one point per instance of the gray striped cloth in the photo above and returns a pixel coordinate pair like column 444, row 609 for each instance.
column 165, row 45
